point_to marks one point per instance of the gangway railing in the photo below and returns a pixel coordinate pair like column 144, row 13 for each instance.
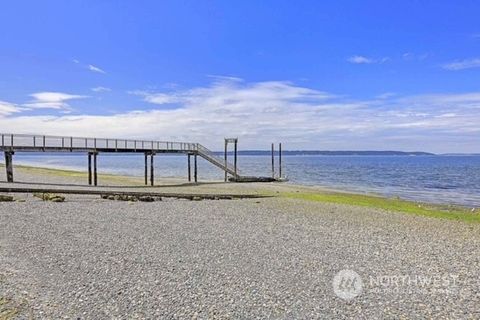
column 216, row 160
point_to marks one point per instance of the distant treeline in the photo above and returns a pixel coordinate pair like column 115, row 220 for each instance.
column 331, row 153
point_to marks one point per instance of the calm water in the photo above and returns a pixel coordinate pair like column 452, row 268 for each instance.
column 439, row 179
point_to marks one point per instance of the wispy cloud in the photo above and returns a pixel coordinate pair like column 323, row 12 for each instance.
column 157, row 98
column 95, row 69
column 409, row 56
column 51, row 100
column 232, row 89
column 7, row 108
column 386, row 95
column 302, row 118
column 90, row 67
column 357, row 59
column 462, row 64
column 101, row 89
column 360, row 60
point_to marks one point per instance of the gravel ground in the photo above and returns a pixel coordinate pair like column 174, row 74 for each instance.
column 271, row 258
column 90, row 258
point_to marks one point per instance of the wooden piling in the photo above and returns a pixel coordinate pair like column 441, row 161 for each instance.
column 235, row 158
column 151, row 170
column 90, row 168
column 280, row 160
column 273, row 161
column 189, row 168
column 146, row 168
column 9, row 165
column 95, row 180
column 225, row 156
column 195, row 168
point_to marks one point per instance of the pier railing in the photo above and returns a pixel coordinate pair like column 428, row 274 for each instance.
column 48, row 143
column 59, row 143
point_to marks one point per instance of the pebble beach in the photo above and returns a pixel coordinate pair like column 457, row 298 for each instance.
column 275, row 257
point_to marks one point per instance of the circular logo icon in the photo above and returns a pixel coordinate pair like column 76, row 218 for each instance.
column 347, row 284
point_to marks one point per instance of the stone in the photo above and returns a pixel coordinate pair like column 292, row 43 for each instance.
column 49, row 197
column 4, row 198
column 146, row 199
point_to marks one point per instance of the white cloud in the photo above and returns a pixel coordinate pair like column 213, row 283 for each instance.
column 386, row 95
column 51, row 100
column 357, row 59
column 409, row 56
column 262, row 112
column 157, row 98
column 463, row 64
column 229, row 91
column 360, row 60
column 7, row 108
column 101, row 89
column 95, row 69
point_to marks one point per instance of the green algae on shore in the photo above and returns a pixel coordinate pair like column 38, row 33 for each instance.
column 450, row 212
column 397, row 205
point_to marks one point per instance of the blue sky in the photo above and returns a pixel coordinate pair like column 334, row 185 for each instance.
column 333, row 75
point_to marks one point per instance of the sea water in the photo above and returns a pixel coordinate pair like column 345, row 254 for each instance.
column 437, row 179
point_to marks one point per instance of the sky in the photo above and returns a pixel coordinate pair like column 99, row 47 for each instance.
column 314, row 75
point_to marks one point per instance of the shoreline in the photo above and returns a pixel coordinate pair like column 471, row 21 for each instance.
column 77, row 179
column 424, row 189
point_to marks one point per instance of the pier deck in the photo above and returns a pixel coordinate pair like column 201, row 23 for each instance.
column 11, row 143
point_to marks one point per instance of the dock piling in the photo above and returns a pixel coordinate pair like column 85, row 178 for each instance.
column 273, row 161
column 151, row 170
column 146, row 168
column 189, row 168
column 9, row 165
column 235, row 157
column 195, row 168
column 226, row 162
column 280, row 160
column 90, row 168
column 95, row 180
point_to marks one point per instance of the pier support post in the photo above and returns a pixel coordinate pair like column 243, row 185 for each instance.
column 226, row 146
column 273, row 161
column 235, row 157
column 280, row 160
column 95, row 180
column 90, row 168
column 151, row 170
column 146, row 168
column 195, row 168
column 189, row 168
column 9, row 165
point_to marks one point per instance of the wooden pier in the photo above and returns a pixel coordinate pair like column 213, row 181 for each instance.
column 13, row 143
